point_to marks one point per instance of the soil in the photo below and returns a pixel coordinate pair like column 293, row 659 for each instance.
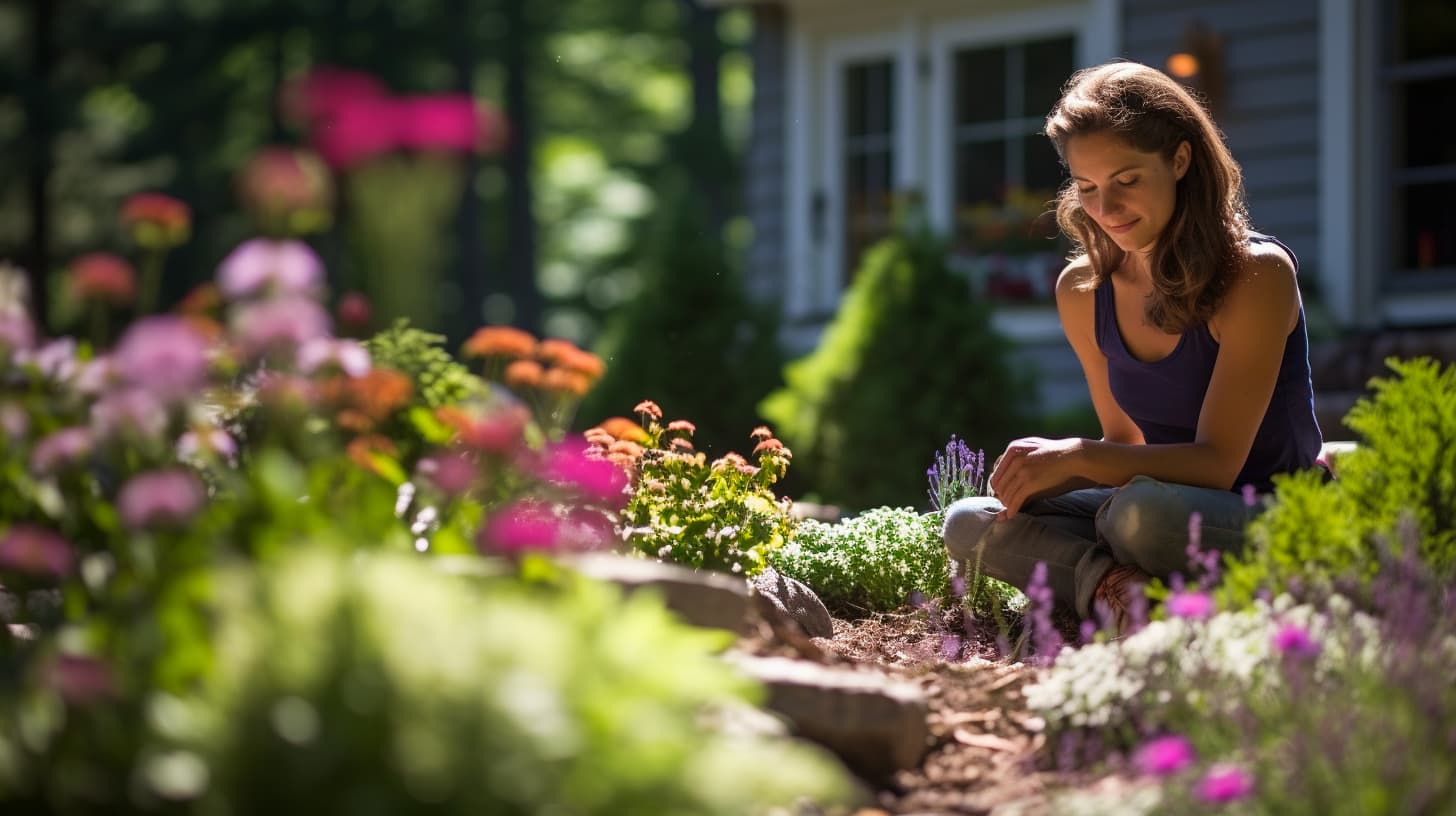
column 989, row 753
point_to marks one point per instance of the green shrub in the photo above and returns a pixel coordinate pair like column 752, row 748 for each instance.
column 379, row 685
column 909, row 359
column 437, row 377
column 1405, row 466
column 691, row 338
column 878, row 561
column 720, row 515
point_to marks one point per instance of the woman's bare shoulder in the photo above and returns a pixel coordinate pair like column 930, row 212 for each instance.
column 1077, row 278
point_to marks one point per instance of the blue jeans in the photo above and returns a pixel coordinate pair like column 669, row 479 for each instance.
column 1084, row 533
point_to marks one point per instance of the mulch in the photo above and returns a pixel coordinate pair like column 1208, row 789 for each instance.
column 989, row 753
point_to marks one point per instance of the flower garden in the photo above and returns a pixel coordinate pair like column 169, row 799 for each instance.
column 256, row 557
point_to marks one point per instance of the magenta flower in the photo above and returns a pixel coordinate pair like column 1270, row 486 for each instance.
column 260, row 266
column 279, row 325
column 347, row 356
column 1164, row 756
column 164, row 355
column 356, row 131
column 325, row 90
column 1224, row 783
column 518, row 528
column 160, row 498
column 81, row 680
column 1294, row 640
column 439, row 122
column 60, row 450
column 16, row 330
column 567, row 463
column 34, row 550
column 452, row 473
column 130, row 412
column 1191, row 605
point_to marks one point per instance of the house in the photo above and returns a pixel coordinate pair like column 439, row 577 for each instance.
column 1340, row 112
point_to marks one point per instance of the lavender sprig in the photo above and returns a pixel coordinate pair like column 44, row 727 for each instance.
column 956, row 473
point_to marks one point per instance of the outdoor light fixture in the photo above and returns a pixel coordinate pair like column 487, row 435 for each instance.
column 1198, row 64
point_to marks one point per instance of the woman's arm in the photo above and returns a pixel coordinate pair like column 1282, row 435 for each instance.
column 1252, row 326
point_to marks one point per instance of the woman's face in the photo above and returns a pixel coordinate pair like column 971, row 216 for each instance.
column 1129, row 193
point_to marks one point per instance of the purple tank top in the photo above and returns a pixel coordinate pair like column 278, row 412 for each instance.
column 1164, row 397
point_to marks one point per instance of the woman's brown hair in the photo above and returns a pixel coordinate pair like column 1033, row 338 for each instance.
column 1194, row 258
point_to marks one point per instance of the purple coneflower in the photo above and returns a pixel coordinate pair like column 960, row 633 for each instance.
column 1224, row 783
column 1294, row 640
column 1191, row 605
column 1164, row 756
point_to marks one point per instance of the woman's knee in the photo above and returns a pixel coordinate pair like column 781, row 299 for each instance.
column 1146, row 523
column 966, row 523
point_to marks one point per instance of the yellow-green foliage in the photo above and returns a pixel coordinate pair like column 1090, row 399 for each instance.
column 1405, row 467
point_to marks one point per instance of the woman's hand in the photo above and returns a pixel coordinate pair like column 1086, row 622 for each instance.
column 1031, row 467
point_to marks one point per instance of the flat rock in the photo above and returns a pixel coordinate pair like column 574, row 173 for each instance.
column 874, row 723
column 702, row 598
column 793, row 599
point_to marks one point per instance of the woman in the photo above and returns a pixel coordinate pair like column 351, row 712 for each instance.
column 1191, row 335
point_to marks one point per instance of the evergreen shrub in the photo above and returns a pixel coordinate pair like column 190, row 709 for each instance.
column 909, row 359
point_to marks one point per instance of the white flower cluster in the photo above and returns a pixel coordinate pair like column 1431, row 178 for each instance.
column 1198, row 662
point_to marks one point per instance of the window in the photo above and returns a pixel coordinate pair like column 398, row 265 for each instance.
column 869, row 170
column 1420, row 80
column 1006, row 172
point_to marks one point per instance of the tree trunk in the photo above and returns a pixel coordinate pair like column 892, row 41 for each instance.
column 520, row 272
column 41, row 126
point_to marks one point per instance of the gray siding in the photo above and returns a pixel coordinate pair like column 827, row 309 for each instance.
column 764, row 172
column 1270, row 116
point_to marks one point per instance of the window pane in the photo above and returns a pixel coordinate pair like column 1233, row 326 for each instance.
column 1048, row 64
column 1425, row 29
column 1427, row 110
column 1042, row 170
column 980, row 85
column 1428, row 240
column 869, row 98
column 981, row 173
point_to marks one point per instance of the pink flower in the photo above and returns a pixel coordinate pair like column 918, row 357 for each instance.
column 355, row 131
column 55, row 360
column 14, row 422
column 452, row 472
column 1164, row 756
column 280, row 267
column 81, row 680
column 196, row 443
column 102, row 276
column 321, row 353
column 160, row 497
column 519, row 527
column 157, row 221
column 321, row 93
column 439, row 122
column 567, row 463
column 128, row 413
column 280, row 183
column 1294, row 640
column 279, row 325
column 16, row 330
column 1191, row 605
column 60, row 449
column 353, row 312
column 35, row 550
column 1224, row 783
column 164, row 355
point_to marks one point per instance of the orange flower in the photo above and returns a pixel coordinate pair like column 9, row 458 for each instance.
column 104, row 277
column 500, row 341
column 364, row 449
column 649, row 408
column 761, row 432
column 364, row 402
column 203, row 299
column 523, row 374
column 624, row 428
column 682, row 425
column 566, row 382
column 157, row 221
column 586, row 364
column 554, row 350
